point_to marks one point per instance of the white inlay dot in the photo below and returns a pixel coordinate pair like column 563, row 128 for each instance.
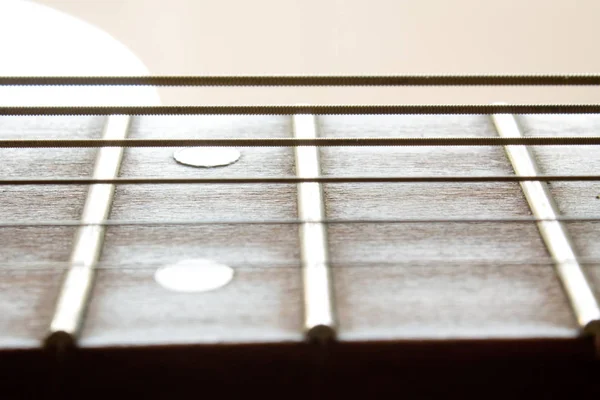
column 207, row 156
column 195, row 275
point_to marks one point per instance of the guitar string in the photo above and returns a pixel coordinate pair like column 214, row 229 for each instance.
column 346, row 109
column 295, row 180
column 200, row 222
column 291, row 142
column 15, row 266
column 308, row 80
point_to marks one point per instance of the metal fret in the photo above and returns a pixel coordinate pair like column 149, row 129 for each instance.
column 553, row 232
column 76, row 288
column 319, row 317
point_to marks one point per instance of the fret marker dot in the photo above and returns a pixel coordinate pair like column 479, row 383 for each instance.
column 207, row 157
column 195, row 275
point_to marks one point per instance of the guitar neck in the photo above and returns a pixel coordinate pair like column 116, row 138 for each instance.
column 445, row 269
column 390, row 280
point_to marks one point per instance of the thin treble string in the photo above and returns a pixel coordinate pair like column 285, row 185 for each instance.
column 296, row 180
column 201, row 222
column 291, row 142
column 241, row 264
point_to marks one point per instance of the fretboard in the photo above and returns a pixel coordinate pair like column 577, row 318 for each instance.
column 343, row 241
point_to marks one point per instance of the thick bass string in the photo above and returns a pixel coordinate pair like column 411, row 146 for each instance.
column 307, row 80
column 403, row 109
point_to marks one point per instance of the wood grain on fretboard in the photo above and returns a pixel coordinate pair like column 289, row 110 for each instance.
column 391, row 281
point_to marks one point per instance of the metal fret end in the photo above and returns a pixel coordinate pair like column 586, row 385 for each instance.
column 60, row 341
column 592, row 328
column 321, row 334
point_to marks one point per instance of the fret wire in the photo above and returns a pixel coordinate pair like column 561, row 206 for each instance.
column 192, row 222
column 309, row 80
column 405, row 109
column 291, row 142
column 319, row 308
column 75, row 291
column 554, row 233
column 297, row 180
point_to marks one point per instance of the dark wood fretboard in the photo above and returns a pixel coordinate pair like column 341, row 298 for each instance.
column 425, row 277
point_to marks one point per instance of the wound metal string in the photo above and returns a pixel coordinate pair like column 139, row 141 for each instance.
column 310, row 80
column 402, row 109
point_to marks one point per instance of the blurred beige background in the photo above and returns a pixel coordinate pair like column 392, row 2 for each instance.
column 193, row 37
